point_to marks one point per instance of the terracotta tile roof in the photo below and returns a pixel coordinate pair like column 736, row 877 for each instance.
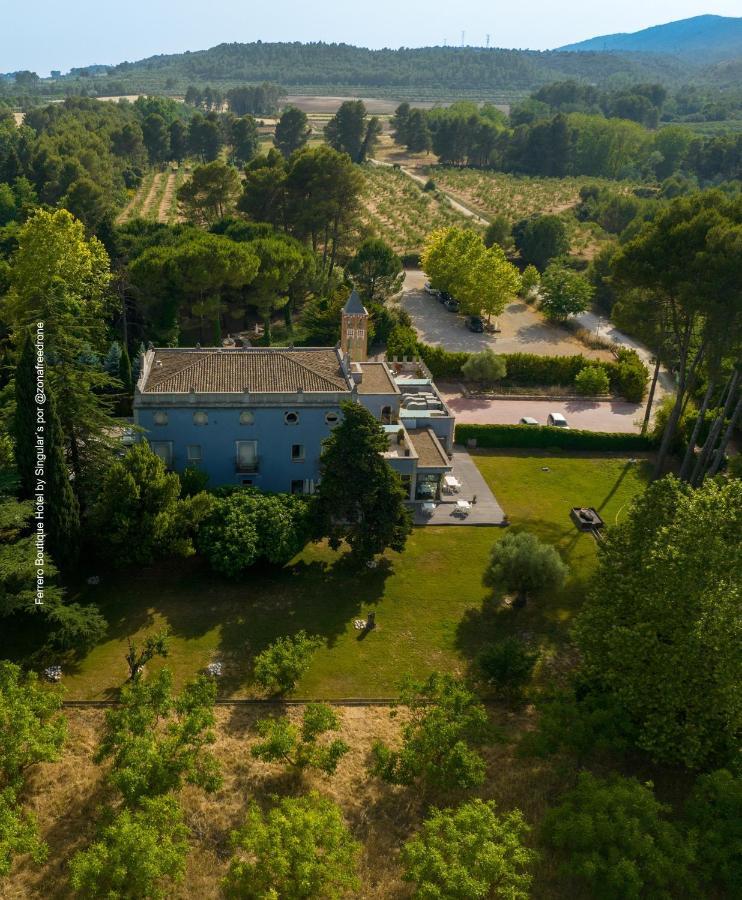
column 255, row 369
column 376, row 379
column 431, row 454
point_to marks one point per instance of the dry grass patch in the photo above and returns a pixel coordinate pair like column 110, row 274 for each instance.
column 66, row 797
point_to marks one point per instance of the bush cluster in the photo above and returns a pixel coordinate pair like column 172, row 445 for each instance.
column 545, row 437
column 627, row 376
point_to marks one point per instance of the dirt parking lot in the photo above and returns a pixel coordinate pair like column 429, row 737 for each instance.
column 523, row 330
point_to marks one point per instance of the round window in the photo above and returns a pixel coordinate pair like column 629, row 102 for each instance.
column 160, row 418
column 291, row 418
column 200, row 418
column 332, row 418
column 246, row 417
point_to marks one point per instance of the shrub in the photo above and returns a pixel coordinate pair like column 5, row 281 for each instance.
column 429, row 185
column 629, row 376
column 506, row 436
column 281, row 665
column 300, row 747
column 529, row 281
column 507, row 663
column 541, row 238
column 483, row 367
column 522, row 563
column 613, row 835
column 592, row 380
column 469, row 853
column 402, row 341
column 192, row 481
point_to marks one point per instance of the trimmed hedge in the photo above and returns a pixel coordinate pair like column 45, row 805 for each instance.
column 627, row 377
column 544, row 437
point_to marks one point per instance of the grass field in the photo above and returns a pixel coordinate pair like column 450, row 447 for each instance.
column 431, row 608
column 400, row 212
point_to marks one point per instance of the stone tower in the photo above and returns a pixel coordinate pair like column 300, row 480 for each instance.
column 354, row 329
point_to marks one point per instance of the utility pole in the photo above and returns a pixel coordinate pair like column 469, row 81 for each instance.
column 488, row 42
column 463, row 35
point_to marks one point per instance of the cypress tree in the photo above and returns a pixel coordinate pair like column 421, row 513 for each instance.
column 124, row 372
column 24, row 418
column 62, row 512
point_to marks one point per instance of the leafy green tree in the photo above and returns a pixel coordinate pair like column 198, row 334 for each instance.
column 540, row 239
column 350, row 131
column 31, row 731
column 18, row 833
column 24, row 423
column 156, row 138
column 564, row 292
column 138, row 514
column 530, row 281
column 300, row 748
column 402, row 341
column 137, row 657
column 592, row 380
column 659, row 627
column 157, row 742
column 361, row 499
column 714, row 814
column 139, row 853
column 300, row 848
column 484, row 367
column 61, row 509
column 523, row 564
column 507, row 663
column 498, row 232
column 470, row 852
column 376, row 271
column 280, row 262
column 245, row 139
column 446, row 724
column 247, row 526
column 292, row 131
column 282, row 663
column 418, row 138
column 178, row 137
column 211, row 193
column 205, row 137
column 614, row 836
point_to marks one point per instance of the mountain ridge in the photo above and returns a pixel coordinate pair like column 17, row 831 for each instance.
column 716, row 37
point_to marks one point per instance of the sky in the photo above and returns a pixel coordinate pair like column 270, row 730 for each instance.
column 59, row 34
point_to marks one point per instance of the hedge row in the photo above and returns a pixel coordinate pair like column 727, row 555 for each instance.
column 544, row 437
column 627, row 376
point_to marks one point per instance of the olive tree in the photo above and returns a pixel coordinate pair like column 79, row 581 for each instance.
column 523, row 564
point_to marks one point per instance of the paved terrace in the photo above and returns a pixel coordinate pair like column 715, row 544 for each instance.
column 486, row 511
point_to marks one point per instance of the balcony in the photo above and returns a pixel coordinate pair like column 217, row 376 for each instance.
column 245, row 467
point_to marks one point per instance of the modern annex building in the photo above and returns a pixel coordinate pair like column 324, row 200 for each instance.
column 258, row 416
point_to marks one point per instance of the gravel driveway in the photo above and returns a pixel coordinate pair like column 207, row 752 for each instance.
column 523, row 330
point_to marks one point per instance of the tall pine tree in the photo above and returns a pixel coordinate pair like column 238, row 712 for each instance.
column 24, row 419
column 62, row 512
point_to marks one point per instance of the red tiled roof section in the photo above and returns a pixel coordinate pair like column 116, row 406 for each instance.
column 279, row 371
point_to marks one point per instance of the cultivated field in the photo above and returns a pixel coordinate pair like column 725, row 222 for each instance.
column 155, row 200
column 398, row 210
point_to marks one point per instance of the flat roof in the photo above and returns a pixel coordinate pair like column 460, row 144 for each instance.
column 376, row 379
column 427, row 446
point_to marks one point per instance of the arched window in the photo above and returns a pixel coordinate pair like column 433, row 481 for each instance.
column 386, row 415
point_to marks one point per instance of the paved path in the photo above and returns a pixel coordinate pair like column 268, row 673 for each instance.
column 486, row 511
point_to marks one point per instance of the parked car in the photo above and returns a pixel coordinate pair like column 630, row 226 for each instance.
column 528, row 420
column 475, row 324
column 452, row 305
column 429, row 289
column 557, row 420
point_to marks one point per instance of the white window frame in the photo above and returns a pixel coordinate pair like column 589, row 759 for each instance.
column 291, row 412
column 167, row 458
column 331, row 418
column 351, row 332
column 237, row 445
column 300, row 458
column 190, row 456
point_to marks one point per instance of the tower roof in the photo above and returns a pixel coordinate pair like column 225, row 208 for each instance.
column 354, row 306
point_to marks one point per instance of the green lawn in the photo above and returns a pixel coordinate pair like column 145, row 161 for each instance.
column 431, row 608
